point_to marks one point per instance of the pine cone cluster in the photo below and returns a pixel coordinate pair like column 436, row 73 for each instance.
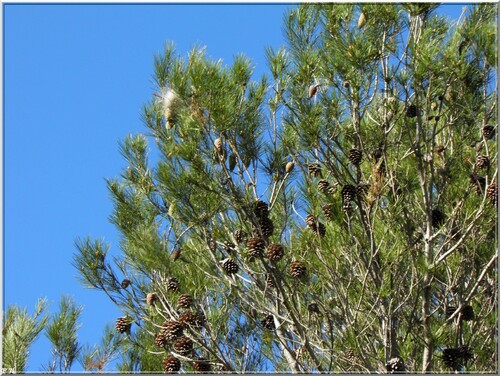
column 395, row 365
column 171, row 364
column 314, row 169
column 315, row 225
column 298, row 269
column 492, row 193
column 125, row 283
column 482, row 162
column 488, row 132
column 355, row 156
column 202, row 365
column 230, row 266
column 268, row 322
column 275, row 252
column 123, row 325
column 184, row 301
column 183, row 345
column 256, row 247
column 173, row 284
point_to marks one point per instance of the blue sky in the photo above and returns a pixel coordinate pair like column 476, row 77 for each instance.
column 75, row 79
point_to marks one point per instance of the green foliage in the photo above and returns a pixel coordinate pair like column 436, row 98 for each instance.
column 19, row 332
column 408, row 89
column 61, row 330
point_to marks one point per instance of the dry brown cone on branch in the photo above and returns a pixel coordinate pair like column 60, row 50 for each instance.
column 312, row 91
column 125, row 283
column 492, row 193
column 355, row 156
column 184, row 301
column 151, row 298
column 289, row 167
column 256, row 247
column 171, row 330
column 176, row 254
column 240, row 236
column 171, row 364
column 488, row 132
column 268, row 322
column 261, row 209
column 183, row 345
column 202, row 365
column 269, row 282
column 123, row 325
column 323, row 186
column 160, row 339
column 298, row 269
column 328, row 211
column 172, row 284
column 314, row 169
column 482, row 162
column 275, row 252
column 230, row 266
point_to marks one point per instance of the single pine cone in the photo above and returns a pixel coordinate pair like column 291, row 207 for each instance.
column 482, row 162
column 355, row 156
column 123, row 325
column 412, row 111
column 328, row 211
column 289, row 167
column 314, row 169
column 176, row 254
column 313, row 308
column 202, row 365
column 451, row 358
column 348, row 193
column 172, row 330
column 240, row 236
column 160, row 339
column 310, row 220
column 256, row 247
column 268, row 322
column 151, row 298
column 351, row 356
column 297, row 269
column 261, row 209
column 190, row 319
column 171, row 364
column 185, row 301
column 275, row 252
column 437, row 218
column 395, row 365
column 320, row 229
column 173, row 284
column 218, row 145
column 125, row 283
column 183, row 345
column 323, row 186
column 312, row 91
column 488, row 132
column 230, row 266
column 266, row 227
column 467, row 313
column 492, row 193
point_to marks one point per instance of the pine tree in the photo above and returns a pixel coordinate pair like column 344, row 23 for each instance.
column 341, row 138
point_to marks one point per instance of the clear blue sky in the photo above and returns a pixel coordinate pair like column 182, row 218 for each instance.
column 75, row 78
